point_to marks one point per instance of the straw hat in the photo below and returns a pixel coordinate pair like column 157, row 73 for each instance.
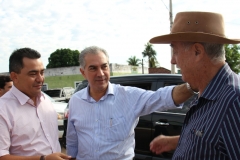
column 197, row 27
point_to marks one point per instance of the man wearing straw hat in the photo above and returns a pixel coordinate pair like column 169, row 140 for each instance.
column 211, row 127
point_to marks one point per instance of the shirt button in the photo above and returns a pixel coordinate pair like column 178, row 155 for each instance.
column 96, row 120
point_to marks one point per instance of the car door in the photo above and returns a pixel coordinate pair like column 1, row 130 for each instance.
column 150, row 126
column 169, row 122
column 143, row 131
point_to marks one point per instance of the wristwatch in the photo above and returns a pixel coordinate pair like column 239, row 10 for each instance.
column 190, row 89
column 42, row 158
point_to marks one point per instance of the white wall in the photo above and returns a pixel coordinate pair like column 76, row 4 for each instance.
column 62, row 71
column 114, row 68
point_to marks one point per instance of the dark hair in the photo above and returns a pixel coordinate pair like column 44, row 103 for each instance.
column 16, row 58
column 3, row 80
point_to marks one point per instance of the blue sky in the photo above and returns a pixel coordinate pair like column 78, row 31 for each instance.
column 122, row 27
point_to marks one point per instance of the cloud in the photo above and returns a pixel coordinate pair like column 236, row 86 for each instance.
column 122, row 27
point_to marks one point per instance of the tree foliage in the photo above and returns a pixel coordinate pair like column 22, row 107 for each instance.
column 153, row 63
column 133, row 61
column 63, row 58
column 232, row 55
column 151, row 54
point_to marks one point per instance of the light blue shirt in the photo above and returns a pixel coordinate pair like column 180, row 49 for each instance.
column 104, row 130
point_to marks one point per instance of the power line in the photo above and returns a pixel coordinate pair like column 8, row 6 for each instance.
column 165, row 5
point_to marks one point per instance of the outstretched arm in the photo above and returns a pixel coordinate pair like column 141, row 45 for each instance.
column 164, row 144
column 181, row 93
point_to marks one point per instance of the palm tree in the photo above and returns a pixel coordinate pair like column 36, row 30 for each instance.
column 153, row 63
column 150, row 53
column 133, row 61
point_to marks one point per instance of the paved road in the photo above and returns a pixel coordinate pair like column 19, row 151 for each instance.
column 63, row 150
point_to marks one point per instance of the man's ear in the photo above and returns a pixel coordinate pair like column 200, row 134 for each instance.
column 82, row 72
column 14, row 77
column 199, row 50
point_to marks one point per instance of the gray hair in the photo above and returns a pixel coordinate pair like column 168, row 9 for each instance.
column 215, row 51
column 91, row 50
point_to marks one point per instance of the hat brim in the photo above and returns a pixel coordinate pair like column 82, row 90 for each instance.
column 192, row 37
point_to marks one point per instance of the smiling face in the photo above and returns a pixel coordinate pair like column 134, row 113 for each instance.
column 30, row 79
column 96, row 71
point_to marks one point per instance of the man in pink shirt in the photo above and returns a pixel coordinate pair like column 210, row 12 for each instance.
column 28, row 121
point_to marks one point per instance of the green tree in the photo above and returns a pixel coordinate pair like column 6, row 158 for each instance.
column 153, row 63
column 232, row 55
column 63, row 58
column 133, row 61
column 151, row 54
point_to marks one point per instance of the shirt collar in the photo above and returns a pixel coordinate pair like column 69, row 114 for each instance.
column 21, row 97
column 86, row 95
column 215, row 86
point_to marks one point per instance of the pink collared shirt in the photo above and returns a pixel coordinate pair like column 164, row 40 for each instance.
column 26, row 129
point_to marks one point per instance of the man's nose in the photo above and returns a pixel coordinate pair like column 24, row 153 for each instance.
column 100, row 72
column 40, row 77
column 173, row 61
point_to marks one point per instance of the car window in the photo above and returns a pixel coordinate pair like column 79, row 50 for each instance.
column 185, row 108
column 51, row 99
column 186, row 105
column 171, row 83
column 53, row 93
column 146, row 86
column 81, row 86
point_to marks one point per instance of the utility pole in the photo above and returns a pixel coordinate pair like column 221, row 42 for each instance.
column 142, row 67
column 171, row 22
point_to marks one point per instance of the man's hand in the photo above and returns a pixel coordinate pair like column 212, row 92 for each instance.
column 181, row 93
column 54, row 156
column 164, row 144
column 57, row 156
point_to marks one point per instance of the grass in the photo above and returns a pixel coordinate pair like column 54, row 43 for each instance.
column 62, row 81
column 68, row 80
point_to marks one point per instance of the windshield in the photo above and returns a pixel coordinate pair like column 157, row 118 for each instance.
column 53, row 92
column 52, row 100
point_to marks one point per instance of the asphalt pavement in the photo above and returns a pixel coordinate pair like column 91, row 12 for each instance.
column 63, row 150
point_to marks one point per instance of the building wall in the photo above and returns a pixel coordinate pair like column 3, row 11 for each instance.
column 61, row 71
column 4, row 73
column 114, row 68
column 118, row 68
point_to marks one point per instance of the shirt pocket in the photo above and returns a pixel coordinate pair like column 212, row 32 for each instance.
column 115, row 129
column 24, row 126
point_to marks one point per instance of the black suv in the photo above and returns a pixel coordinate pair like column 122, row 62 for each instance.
column 167, row 123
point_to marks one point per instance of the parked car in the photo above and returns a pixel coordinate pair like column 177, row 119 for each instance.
column 60, row 108
column 60, row 94
column 167, row 123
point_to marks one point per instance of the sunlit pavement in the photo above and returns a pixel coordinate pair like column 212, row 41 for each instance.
column 63, row 150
